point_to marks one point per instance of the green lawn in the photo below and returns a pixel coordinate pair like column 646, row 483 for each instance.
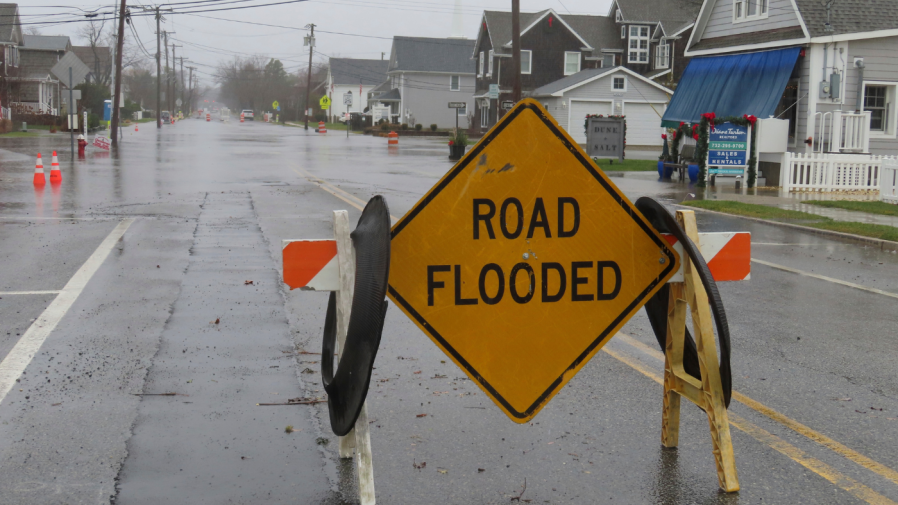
column 879, row 231
column 19, row 134
column 627, row 165
column 885, row 209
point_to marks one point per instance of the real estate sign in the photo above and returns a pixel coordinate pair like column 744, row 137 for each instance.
column 728, row 149
column 605, row 137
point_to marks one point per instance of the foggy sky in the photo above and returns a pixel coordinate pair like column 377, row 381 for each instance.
column 224, row 39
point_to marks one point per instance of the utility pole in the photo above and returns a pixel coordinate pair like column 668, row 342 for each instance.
column 516, row 49
column 158, row 69
column 116, row 97
column 174, row 78
column 190, row 85
column 311, row 41
column 183, row 102
column 167, row 75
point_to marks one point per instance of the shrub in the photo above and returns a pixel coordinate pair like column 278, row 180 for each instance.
column 433, row 127
column 5, row 125
column 419, row 127
column 403, row 126
column 53, row 128
column 384, row 126
column 93, row 120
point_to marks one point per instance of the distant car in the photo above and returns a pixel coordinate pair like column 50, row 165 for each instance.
column 166, row 116
column 247, row 114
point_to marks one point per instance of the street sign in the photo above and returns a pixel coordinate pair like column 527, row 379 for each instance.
column 605, row 137
column 457, row 105
column 728, row 147
column 275, row 105
column 101, row 142
column 325, row 102
column 347, row 98
column 494, row 91
column 524, row 260
column 507, row 104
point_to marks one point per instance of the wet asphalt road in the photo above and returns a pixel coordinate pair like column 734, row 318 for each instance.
column 169, row 310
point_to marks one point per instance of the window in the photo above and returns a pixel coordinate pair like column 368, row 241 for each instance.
column 607, row 60
column 744, row 10
column 619, row 84
column 480, row 68
column 463, row 111
column 571, row 62
column 618, row 16
column 623, row 32
column 662, row 55
column 484, row 116
column 876, row 100
column 526, row 61
column 639, row 45
column 489, row 64
column 454, row 83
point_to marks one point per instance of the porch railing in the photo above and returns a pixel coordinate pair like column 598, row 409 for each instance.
column 841, row 132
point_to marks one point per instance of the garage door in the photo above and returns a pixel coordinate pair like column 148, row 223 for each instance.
column 644, row 123
column 579, row 110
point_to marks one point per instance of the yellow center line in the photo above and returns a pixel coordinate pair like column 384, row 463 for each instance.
column 846, row 483
column 829, row 473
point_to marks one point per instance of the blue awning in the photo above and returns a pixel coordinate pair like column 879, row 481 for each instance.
column 733, row 85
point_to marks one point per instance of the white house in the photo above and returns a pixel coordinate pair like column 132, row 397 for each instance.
column 356, row 77
column 608, row 91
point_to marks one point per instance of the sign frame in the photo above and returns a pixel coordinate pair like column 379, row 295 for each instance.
column 592, row 143
column 671, row 263
column 730, row 149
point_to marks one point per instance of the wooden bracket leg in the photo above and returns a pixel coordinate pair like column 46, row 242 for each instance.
column 711, row 398
column 673, row 353
column 670, row 415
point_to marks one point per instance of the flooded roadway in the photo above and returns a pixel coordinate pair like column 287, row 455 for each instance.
column 167, row 309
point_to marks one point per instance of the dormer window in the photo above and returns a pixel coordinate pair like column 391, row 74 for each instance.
column 745, row 10
column 618, row 16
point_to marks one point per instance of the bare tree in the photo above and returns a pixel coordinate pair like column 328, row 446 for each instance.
column 94, row 33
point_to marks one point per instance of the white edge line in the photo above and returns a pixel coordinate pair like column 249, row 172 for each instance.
column 20, row 356
column 11, row 293
column 825, row 278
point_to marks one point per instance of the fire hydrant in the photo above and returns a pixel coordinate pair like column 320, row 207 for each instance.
column 82, row 144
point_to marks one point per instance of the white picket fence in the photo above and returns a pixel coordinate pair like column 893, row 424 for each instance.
column 833, row 172
column 888, row 189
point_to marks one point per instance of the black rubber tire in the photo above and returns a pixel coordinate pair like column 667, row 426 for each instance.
column 347, row 388
column 656, row 307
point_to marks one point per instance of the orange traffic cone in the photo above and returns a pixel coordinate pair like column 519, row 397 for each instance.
column 39, row 179
column 135, row 127
column 242, row 116
column 55, row 174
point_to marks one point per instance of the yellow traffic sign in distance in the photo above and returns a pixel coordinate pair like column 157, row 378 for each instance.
column 274, row 105
column 325, row 102
column 524, row 260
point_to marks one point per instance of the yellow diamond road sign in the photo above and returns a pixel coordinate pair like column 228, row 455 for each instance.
column 524, row 260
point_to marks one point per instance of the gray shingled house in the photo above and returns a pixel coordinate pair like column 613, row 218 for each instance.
column 424, row 75
column 831, row 72
column 39, row 89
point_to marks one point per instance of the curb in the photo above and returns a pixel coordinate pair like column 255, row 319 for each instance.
column 884, row 245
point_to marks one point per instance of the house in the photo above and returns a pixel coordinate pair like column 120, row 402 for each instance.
column 827, row 67
column 355, row 77
column 10, row 40
column 652, row 36
column 552, row 47
column 607, row 91
column 99, row 60
column 39, row 90
column 423, row 76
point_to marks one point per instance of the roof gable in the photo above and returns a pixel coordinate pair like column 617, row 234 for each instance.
column 10, row 24
column 583, row 77
column 550, row 12
column 674, row 15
